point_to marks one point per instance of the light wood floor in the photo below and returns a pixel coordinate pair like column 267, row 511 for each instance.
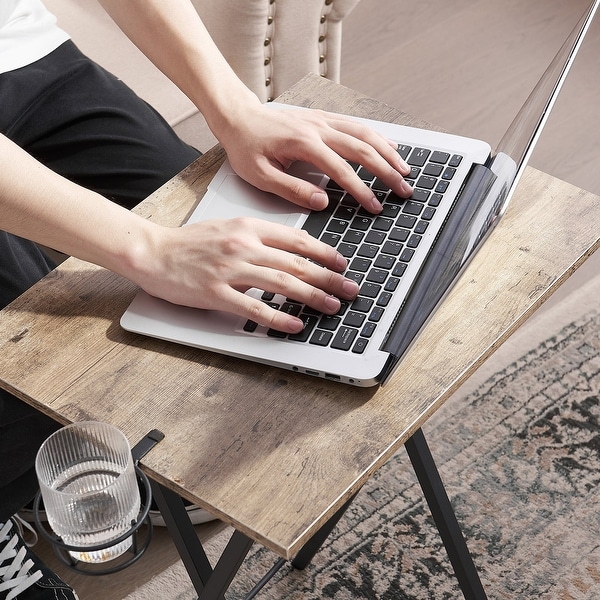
column 467, row 66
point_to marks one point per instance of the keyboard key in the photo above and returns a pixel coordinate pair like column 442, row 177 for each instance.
column 338, row 225
column 369, row 290
column 442, row 186
column 250, row 326
column 369, row 329
column 365, row 174
column 358, row 277
column 394, row 199
column 310, row 322
column 317, row 219
column 375, row 237
column 362, row 223
column 392, row 283
column 455, row 160
column 344, row 212
column 420, row 195
column 384, row 262
column 421, row 227
column 392, row 248
column 353, row 237
column 376, row 314
column 428, row 213
column 344, row 306
column 414, row 240
column 426, row 182
column 321, row 338
column 390, row 210
column 368, row 250
column 362, row 304
column 449, row 173
column 347, row 250
column 276, row 334
column 333, row 239
column 354, row 319
column 440, row 157
column 291, row 308
column 418, row 157
column 329, row 322
column 435, row 199
column 377, row 276
column 407, row 254
column 381, row 195
column 384, row 299
column 360, row 346
column 380, row 186
column 412, row 208
column 333, row 186
column 399, row 269
column 433, row 170
column 382, row 224
column 399, row 234
column 361, row 264
column 343, row 338
column 407, row 221
column 404, row 150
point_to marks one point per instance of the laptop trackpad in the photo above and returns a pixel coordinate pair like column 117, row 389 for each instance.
column 232, row 196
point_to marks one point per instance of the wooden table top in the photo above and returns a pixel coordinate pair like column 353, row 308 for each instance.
column 272, row 452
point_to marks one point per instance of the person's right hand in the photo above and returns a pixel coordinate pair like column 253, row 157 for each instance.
column 211, row 264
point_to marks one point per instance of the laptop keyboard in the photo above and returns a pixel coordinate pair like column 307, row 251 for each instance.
column 378, row 248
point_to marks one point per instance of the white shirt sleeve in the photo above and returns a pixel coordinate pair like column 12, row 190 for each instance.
column 28, row 32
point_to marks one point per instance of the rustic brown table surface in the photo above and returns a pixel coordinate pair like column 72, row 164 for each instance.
column 271, row 452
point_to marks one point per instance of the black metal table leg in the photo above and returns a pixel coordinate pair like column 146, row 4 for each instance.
column 228, row 565
column 444, row 517
column 308, row 551
column 209, row 583
column 184, row 535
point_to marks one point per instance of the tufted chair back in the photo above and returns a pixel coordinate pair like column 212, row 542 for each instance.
column 271, row 44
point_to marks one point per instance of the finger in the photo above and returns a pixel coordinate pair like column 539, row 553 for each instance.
column 302, row 280
column 373, row 152
column 250, row 308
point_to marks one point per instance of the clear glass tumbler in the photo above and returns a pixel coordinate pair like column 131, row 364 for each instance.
column 89, row 488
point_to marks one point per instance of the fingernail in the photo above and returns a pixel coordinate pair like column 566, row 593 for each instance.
column 332, row 303
column 318, row 201
column 350, row 288
column 407, row 188
column 376, row 205
column 341, row 262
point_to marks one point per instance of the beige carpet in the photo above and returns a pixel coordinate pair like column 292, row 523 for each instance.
column 518, row 448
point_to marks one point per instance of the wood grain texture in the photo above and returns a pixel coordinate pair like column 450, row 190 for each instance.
column 270, row 451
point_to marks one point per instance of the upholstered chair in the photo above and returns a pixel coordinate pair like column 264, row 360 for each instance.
column 271, row 44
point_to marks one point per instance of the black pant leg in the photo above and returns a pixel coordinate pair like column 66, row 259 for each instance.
column 86, row 125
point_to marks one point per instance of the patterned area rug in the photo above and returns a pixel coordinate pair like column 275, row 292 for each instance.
column 520, row 457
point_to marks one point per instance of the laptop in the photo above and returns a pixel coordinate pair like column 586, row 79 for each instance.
column 406, row 259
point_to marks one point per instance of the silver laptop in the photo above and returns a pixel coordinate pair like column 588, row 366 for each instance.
column 405, row 259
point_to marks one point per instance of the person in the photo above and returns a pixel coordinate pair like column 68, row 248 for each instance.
column 79, row 149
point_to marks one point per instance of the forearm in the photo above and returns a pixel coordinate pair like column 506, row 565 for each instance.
column 173, row 37
column 38, row 204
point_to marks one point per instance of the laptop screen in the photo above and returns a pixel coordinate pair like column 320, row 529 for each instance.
column 482, row 202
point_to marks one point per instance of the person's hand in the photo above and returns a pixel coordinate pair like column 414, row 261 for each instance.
column 210, row 264
column 263, row 144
